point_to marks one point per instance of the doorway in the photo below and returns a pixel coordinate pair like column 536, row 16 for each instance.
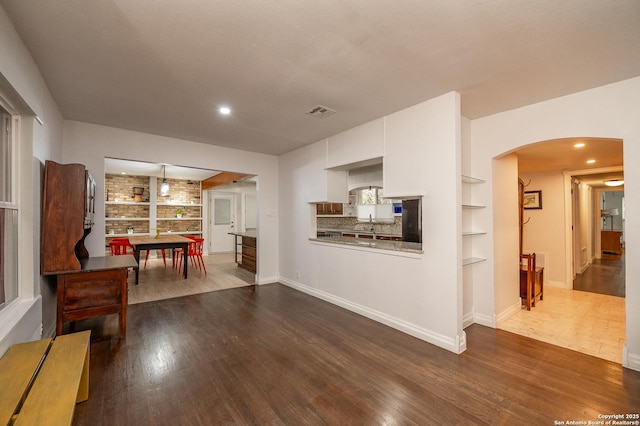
column 222, row 219
column 566, row 230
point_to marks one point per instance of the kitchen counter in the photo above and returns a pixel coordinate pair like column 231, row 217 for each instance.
column 401, row 246
column 349, row 230
column 246, row 247
column 249, row 233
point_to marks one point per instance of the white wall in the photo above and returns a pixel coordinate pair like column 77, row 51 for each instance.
column 610, row 111
column 543, row 232
column 89, row 144
column 40, row 142
column 505, row 227
column 419, row 294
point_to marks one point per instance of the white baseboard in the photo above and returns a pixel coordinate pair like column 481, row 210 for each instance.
column 266, row 280
column 455, row 344
column 508, row 313
column 630, row 360
column 486, row 320
column 558, row 284
column 468, row 319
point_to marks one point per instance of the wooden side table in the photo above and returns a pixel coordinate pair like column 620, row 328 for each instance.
column 98, row 288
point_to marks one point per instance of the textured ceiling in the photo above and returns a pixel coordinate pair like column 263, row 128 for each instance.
column 164, row 67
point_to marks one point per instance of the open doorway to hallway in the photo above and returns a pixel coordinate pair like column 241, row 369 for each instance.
column 567, row 235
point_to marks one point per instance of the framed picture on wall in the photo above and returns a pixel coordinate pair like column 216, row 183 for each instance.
column 532, row 200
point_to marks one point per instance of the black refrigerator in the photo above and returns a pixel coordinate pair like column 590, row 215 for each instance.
column 412, row 221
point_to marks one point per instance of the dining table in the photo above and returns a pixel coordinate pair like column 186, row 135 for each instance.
column 158, row 242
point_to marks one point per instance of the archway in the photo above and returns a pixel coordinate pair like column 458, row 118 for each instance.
column 549, row 167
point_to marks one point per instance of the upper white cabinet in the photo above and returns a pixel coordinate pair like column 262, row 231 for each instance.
column 324, row 185
column 356, row 145
column 420, row 147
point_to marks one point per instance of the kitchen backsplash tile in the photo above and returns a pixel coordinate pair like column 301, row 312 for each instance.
column 351, row 223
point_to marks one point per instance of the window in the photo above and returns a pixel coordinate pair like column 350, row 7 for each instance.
column 371, row 195
column 8, row 214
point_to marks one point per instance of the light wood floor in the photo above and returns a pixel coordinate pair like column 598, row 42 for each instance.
column 586, row 322
column 158, row 282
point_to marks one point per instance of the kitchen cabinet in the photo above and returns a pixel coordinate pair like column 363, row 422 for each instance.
column 246, row 248
column 359, row 144
column 329, row 209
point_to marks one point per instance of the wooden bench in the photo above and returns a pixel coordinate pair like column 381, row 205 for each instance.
column 41, row 381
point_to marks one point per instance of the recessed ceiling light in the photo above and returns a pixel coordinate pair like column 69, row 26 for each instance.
column 591, row 161
column 123, row 173
column 614, row 182
column 579, row 145
column 224, row 110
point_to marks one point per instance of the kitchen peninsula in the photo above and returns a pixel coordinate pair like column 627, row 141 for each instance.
column 349, row 231
column 245, row 246
column 382, row 244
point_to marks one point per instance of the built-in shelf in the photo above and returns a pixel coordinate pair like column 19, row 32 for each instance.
column 153, row 233
column 155, row 212
column 472, row 260
column 469, row 179
column 471, row 206
column 129, row 203
column 467, row 233
column 179, row 218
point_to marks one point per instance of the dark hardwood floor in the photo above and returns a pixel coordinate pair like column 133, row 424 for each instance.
column 274, row 356
column 604, row 276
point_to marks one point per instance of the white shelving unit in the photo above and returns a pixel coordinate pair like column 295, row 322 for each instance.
column 145, row 217
column 470, row 206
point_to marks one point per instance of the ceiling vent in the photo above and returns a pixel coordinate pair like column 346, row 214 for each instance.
column 320, row 111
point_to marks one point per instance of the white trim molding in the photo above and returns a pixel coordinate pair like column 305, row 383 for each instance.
column 455, row 344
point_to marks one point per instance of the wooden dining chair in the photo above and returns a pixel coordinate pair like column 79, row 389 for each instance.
column 531, row 280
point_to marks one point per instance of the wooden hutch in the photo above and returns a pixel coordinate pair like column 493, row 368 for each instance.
column 86, row 287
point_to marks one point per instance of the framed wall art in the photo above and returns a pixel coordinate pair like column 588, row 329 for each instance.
column 532, row 200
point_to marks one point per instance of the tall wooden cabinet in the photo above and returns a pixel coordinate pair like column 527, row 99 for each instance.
column 86, row 287
column 67, row 215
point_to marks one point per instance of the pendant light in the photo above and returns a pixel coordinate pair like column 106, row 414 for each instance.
column 164, row 188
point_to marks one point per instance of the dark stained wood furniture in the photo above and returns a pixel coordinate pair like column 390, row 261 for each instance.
column 531, row 280
column 161, row 242
column 86, row 286
column 99, row 288
column 67, row 212
column 247, row 242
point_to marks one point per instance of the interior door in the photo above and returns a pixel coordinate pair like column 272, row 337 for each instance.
column 222, row 219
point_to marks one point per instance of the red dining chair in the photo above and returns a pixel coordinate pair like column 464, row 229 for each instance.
column 164, row 258
column 119, row 246
column 195, row 254
column 177, row 252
